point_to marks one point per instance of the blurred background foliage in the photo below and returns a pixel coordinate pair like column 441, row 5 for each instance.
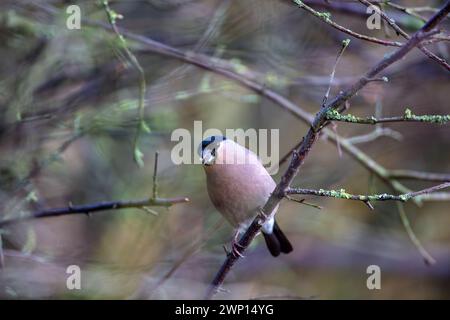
column 68, row 116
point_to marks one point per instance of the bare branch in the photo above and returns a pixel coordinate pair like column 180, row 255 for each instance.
column 412, row 11
column 437, row 196
column 95, row 207
column 419, row 175
column 345, row 44
column 375, row 134
column 429, row 260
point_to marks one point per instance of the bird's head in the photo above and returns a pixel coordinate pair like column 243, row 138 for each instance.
column 208, row 150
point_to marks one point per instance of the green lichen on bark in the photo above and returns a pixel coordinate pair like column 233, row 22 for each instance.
column 326, row 16
column 407, row 116
column 343, row 194
column 441, row 119
column 335, row 115
column 345, row 42
column 405, row 197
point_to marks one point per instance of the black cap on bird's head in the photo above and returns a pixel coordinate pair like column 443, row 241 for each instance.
column 207, row 148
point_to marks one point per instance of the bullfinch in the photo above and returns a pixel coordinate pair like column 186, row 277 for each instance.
column 239, row 186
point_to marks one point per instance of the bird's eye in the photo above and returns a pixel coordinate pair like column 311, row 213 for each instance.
column 213, row 152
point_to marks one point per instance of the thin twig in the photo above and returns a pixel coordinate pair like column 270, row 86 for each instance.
column 429, row 260
column 112, row 17
column 437, row 196
column 419, row 175
column 95, row 207
column 155, row 176
column 405, row 35
column 375, row 134
column 304, row 202
column 410, row 11
column 347, row 7
column 325, row 16
column 379, row 131
column 345, row 44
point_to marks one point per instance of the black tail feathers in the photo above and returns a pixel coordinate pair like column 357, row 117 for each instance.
column 277, row 242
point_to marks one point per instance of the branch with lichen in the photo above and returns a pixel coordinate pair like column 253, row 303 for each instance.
column 408, row 116
column 343, row 194
column 404, row 18
column 326, row 17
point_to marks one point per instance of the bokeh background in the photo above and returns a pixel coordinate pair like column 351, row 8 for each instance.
column 68, row 117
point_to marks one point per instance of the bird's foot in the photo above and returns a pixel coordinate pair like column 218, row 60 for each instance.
column 263, row 214
column 235, row 246
column 235, row 250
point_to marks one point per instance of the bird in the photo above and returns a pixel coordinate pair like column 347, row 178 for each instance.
column 239, row 186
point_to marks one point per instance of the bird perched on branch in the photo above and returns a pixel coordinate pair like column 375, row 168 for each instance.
column 239, row 186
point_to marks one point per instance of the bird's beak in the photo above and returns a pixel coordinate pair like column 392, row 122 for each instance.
column 208, row 158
